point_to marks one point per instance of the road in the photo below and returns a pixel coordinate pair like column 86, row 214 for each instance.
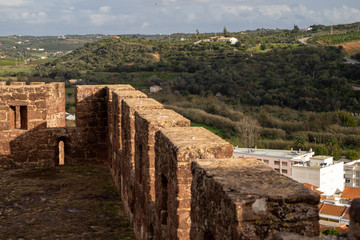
column 351, row 61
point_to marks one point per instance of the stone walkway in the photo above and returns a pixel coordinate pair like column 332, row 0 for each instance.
column 66, row 202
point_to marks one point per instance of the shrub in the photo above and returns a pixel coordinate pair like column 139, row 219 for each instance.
column 353, row 155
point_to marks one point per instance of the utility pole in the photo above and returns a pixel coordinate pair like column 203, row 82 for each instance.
column 331, row 29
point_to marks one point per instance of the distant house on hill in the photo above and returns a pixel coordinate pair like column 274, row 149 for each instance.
column 155, row 89
column 73, row 81
column 232, row 40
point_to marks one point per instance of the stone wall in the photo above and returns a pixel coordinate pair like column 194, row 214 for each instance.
column 176, row 181
column 25, row 107
column 147, row 123
column 26, row 112
column 127, row 163
column 116, row 145
column 243, row 198
column 55, row 104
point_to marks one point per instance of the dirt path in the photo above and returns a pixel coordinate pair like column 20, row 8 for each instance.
column 303, row 40
column 61, row 203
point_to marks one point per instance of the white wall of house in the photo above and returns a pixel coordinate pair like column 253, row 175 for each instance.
column 328, row 179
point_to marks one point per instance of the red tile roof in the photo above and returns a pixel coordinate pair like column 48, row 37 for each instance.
column 351, row 193
column 347, row 214
column 313, row 188
column 342, row 228
column 320, row 205
column 332, row 210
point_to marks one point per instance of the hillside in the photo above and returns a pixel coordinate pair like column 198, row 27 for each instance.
column 311, row 78
column 279, row 92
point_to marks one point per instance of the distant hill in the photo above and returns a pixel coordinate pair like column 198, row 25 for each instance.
column 263, row 67
column 101, row 56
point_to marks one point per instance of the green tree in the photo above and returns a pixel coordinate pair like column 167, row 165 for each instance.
column 320, row 150
column 353, row 155
column 300, row 142
column 332, row 145
column 295, row 29
column 346, row 119
column 197, row 34
column 330, row 232
column 225, row 32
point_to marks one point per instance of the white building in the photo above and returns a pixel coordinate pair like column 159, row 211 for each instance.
column 320, row 171
column 280, row 160
column 352, row 174
column 155, row 89
column 232, row 40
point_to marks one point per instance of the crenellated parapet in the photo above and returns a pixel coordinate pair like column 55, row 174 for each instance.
column 176, row 181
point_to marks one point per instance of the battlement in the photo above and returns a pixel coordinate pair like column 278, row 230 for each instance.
column 176, row 181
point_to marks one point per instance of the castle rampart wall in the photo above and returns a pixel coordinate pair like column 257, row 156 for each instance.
column 176, row 181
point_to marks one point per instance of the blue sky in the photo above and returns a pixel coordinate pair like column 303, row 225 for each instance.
column 52, row 17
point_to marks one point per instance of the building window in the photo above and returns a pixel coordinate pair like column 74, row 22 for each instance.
column 284, row 164
column 18, row 117
column 347, row 180
column 277, row 163
column 284, row 171
column 358, row 174
column 277, row 169
column 23, row 117
column 12, row 117
column 266, row 161
column 357, row 182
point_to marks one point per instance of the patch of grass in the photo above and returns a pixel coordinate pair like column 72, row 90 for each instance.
column 214, row 130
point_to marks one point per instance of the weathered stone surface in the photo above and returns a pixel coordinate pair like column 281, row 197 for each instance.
column 175, row 149
column 172, row 177
column 28, row 106
column 127, row 163
column 147, row 123
column 355, row 219
column 114, row 136
column 245, row 199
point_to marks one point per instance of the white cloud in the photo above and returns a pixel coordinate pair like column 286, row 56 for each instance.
column 105, row 9
column 191, row 17
column 274, row 10
column 144, row 25
column 13, row 3
column 236, row 10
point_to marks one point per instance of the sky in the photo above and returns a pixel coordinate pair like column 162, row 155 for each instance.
column 54, row 17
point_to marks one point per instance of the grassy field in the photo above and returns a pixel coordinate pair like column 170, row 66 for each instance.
column 20, row 68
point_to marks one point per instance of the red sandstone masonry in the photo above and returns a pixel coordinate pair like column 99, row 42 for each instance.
column 127, row 164
column 31, row 104
column 55, row 104
column 91, row 120
column 147, row 123
column 116, row 146
column 109, row 92
column 175, row 149
column 246, row 199
column 214, row 198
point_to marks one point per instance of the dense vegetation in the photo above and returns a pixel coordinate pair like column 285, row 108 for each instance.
column 311, row 78
column 338, row 38
column 267, row 90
